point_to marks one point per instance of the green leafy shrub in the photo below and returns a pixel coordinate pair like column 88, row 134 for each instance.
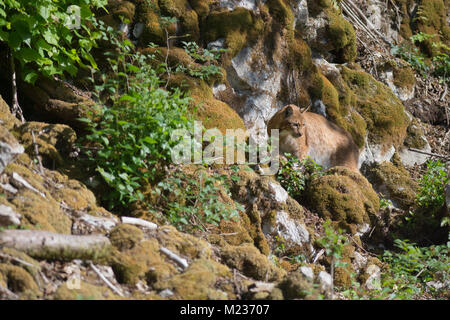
column 413, row 270
column 431, row 192
column 137, row 118
column 333, row 242
column 294, row 174
column 191, row 201
column 440, row 66
column 206, row 57
column 39, row 35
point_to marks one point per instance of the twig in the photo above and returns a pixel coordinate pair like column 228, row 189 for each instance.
column 5, row 293
column 139, row 222
column 357, row 21
column 318, row 255
column 180, row 261
column 36, row 151
column 430, row 153
column 371, row 26
column 9, row 257
column 443, row 94
column 229, row 234
column 108, row 283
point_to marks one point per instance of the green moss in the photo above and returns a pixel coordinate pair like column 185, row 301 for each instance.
column 415, row 137
column 395, row 183
column 252, row 222
column 296, row 286
column 300, row 55
column 201, row 6
column 342, row 35
column 125, row 237
column 54, row 141
column 141, row 261
column 20, row 282
column 33, row 268
column 124, row 10
column 343, row 196
column 432, row 19
column 6, row 118
column 238, row 27
column 339, row 105
column 404, row 78
column 248, row 260
column 317, row 6
column 86, row 291
column 186, row 16
column 382, row 111
column 281, row 11
column 234, row 233
column 199, row 280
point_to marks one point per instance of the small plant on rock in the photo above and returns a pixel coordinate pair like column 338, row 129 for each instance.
column 333, row 242
column 294, row 174
column 190, row 201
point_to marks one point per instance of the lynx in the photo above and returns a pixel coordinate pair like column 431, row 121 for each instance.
column 306, row 134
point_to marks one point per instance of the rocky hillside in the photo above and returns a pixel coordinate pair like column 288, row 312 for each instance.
column 91, row 207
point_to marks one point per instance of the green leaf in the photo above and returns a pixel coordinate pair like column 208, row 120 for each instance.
column 28, row 55
column 50, row 37
column 30, row 77
column 44, row 11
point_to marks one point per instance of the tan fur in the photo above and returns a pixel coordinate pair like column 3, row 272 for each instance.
column 306, row 134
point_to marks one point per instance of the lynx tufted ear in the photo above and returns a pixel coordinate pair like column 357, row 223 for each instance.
column 306, row 109
column 288, row 112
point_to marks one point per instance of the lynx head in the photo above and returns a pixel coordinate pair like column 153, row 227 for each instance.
column 293, row 122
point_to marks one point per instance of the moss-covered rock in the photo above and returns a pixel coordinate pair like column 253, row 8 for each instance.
column 86, row 291
column 7, row 120
column 342, row 35
column 296, row 286
column 125, row 237
column 300, row 55
column 345, row 197
column 238, row 27
column 415, row 136
column 142, row 261
column 404, row 78
column 382, row 111
column 19, row 281
column 198, row 282
column 54, row 141
column 394, row 182
column 122, row 10
column 248, row 260
column 202, row 7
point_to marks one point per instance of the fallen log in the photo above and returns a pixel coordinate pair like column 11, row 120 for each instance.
column 54, row 246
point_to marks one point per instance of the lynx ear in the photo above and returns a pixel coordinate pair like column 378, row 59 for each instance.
column 288, row 112
column 306, row 109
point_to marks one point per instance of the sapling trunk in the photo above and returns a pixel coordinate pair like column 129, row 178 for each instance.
column 15, row 106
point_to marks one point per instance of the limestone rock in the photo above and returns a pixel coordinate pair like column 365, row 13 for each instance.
column 10, row 149
column 8, row 216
